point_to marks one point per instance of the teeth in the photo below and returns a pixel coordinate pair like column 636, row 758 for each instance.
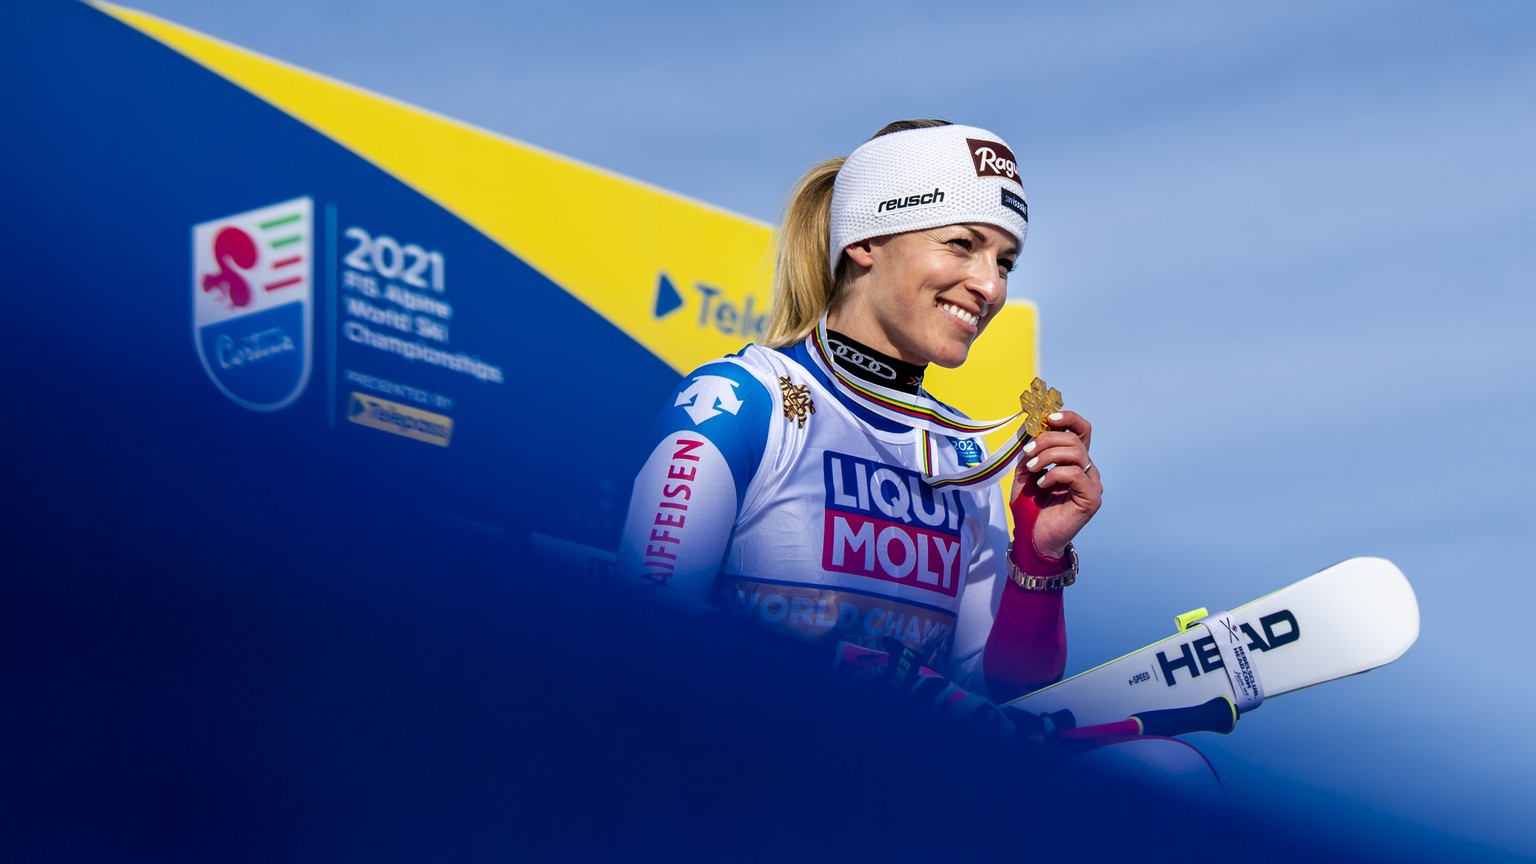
column 963, row 315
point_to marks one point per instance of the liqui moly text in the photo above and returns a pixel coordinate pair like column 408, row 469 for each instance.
column 887, row 523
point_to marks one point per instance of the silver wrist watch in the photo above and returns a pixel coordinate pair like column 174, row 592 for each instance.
column 1042, row 583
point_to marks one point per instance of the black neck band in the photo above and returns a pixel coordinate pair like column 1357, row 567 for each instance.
column 865, row 363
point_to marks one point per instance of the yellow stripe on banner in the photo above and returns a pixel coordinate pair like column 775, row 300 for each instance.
column 607, row 240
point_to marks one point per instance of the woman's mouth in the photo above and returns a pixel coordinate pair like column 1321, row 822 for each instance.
column 955, row 311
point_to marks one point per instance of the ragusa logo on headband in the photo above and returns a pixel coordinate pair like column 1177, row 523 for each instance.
column 993, row 160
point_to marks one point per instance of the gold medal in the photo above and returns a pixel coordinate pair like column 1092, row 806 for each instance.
column 1038, row 402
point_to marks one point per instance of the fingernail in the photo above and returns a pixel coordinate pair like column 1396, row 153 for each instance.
column 1030, row 447
column 1056, row 416
column 1032, row 463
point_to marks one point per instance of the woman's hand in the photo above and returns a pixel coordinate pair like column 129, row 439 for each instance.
column 1058, row 502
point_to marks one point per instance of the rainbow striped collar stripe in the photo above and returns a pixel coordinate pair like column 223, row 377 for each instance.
column 923, row 413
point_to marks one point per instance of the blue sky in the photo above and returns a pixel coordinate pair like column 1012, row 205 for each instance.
column 1283, row 255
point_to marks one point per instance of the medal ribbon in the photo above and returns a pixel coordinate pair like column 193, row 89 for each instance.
column 923, row 413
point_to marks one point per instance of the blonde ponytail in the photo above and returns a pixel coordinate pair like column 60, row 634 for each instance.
column 803, row 290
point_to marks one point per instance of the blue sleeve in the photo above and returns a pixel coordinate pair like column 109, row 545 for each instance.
column 724, row 403
column 710, row 439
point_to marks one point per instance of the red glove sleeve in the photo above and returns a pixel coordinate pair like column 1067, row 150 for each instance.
column 1027, row 647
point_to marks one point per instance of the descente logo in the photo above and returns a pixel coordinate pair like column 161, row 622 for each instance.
column 923, row 200
column 993, row 160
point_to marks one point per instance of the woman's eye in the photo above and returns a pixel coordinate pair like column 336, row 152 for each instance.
column 962, row 242
column 1005, row 264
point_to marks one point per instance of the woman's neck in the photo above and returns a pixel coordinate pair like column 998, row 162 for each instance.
column 876, row 367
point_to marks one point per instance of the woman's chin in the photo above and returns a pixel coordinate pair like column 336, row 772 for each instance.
column 952, row 358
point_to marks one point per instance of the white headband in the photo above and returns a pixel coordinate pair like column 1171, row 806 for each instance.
column 925, row 178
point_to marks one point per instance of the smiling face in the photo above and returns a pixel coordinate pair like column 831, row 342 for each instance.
column 924, row 296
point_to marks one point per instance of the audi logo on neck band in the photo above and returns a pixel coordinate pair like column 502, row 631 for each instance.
column 926, row 178
column 855, row 357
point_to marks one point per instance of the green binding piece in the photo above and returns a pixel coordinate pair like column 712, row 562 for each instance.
column 1190, row 618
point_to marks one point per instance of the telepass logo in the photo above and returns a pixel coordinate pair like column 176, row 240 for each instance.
column 253, row 302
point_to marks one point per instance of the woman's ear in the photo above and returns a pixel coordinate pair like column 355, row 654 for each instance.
column 860, row 253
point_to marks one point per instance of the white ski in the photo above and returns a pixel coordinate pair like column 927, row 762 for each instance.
column 1347, row 619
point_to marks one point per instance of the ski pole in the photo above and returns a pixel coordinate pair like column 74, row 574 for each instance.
column 1217, row 715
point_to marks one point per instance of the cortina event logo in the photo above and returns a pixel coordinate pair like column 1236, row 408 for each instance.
column 253, row 302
